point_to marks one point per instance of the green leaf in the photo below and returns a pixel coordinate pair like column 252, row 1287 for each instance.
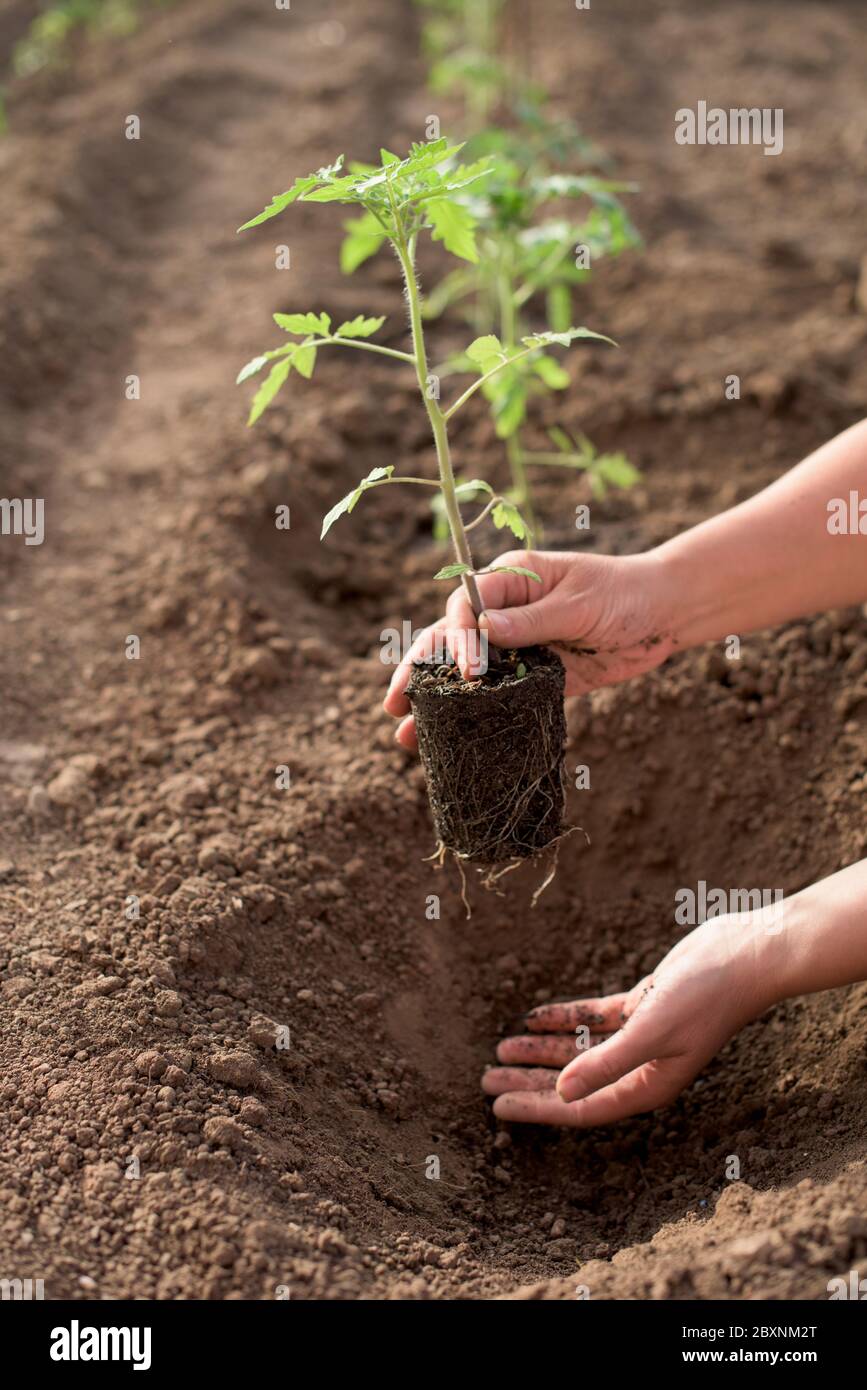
column 482, row 348
column 257, row 363
column 516, row 569
column 470, row 488
column 452, row 571
column 564, row 339
column 347, row 503
column 364, row 236
column 509, row 404
column 252, row 367
column 617, row 470
column 359, row 327
column 282, row 200
column 386, row 157
column 581, row 185
column 453, row 225
column 520, row 669
column 304, row 360
column 269, row 388
column 303, row 324
column 507, row 514
column 553, row 375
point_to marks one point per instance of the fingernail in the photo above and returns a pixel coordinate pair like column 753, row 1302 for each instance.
column 500, row 622
column 570, row 1090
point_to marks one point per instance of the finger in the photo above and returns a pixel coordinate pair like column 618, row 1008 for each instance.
column 599, row 1015
column 406, row 734
column 428, row 643
column 498, row 590
column 603, row 1065
column 536, row 1108
column 496, row 1080
column 648, row 1088
column 527, row 625
column 462, row 635
column 553, row 1050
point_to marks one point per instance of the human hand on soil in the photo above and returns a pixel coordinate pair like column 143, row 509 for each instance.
column 604, row 615
column 645, row 1046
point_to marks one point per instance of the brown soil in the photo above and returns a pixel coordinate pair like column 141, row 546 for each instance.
column 308, row 909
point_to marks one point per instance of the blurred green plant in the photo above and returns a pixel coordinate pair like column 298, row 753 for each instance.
column 534, row 251
column 45, row 42
column 460, row 40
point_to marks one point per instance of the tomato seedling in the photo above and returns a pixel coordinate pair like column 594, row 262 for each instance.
column 399, row 200
column 525, row 255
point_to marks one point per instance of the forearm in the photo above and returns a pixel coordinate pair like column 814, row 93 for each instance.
column 820, row 940
column 772, row 558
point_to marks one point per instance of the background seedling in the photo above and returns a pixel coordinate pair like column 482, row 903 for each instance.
column 528, row 242
column 44, row 43
column 399, row 200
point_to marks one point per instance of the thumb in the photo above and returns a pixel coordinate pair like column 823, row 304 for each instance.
column 539, row 621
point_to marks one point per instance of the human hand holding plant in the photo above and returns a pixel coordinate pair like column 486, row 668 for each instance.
column 608, row 618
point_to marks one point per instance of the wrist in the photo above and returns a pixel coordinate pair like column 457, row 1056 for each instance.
column 691, row 610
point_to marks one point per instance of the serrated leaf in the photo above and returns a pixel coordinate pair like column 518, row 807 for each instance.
column 364, row 236
column 453, row 571
column 347, row 503
column 269, row 388
column 302, row 324
column 338, row 191
column 386, row 157
column 359, row 327
column 282, row 200
column 480, row 349
column 304, row 360
column 564, row 339
column 453, row 225
column 507, row 514
column 329, row 170
column 516, row 569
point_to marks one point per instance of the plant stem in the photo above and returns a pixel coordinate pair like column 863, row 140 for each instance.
column 508, row 337
column 463, row 553
column 516, row 458
column 479, row 383
column 364, row 347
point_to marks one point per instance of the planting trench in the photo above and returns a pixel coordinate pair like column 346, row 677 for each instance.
column 148, row 1039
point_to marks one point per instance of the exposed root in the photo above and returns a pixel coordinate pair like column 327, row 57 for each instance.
column 491, row 875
